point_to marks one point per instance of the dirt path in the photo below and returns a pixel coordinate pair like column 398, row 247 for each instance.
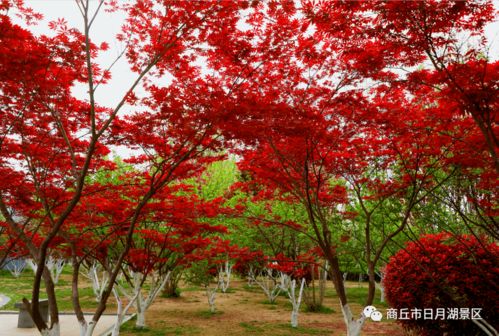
column 244, row 311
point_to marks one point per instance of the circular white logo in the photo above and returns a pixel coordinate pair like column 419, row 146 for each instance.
column 376, row 316
column 369, row 310
column 373, row 313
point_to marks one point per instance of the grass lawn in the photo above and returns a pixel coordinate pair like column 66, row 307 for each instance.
column 245, row 311
column 242, row 310
column 17, row 288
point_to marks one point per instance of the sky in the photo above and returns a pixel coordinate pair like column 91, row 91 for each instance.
column 107, row 25
column 104, row 29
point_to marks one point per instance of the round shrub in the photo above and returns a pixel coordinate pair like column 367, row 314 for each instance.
column 443, row 271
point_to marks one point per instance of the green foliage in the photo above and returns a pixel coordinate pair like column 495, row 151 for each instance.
column 216, row 179
column 114, row 176
column 198, row 274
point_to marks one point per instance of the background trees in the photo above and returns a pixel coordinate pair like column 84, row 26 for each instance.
column 355, row 126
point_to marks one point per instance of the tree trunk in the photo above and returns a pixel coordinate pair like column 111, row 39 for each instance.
column 224, row 273
column 54, row 331
column 353, row 326
column 34, row 310
column 315, row 299
column 295, row 301
column 294, row 318
column 141, row 314
column 91, row 328
column 157, row 285
column 372, row 283
column 83, row 327
column 210, row 293
column 141, row 319
column 75, row 297
column 171, row 285
column 269, row 285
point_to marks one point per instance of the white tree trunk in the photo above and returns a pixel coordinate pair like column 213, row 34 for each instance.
column 284, row 281
column 54, row 331
column 224, row 273
column 16, row 267
column 382, row 290
column 251, row 277
column 381, row 287
column 361, row 277
column 295, row 301
column 353, row 326
column 141, row 319
column 83, row 327
column 140, row 308
column 32, row 265
column 268, row 283
column 158, row 282
column 54, row 265
column 122, row 311
column 119, row 313
column 57, row 267
column 90, row 328
column 98, row 278
column 211, row 293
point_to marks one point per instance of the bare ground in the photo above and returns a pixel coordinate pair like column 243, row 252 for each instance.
column 244, row 311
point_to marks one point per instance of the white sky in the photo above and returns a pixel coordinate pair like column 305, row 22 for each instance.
column 107, row 25
column 104, row 29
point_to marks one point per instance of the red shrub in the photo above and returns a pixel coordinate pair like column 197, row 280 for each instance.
column 441, row 271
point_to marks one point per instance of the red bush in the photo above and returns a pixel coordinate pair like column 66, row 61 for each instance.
column 441, row 271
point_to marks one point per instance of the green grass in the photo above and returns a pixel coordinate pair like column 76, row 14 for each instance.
column 359, row 295
column 18, row 288
column 250, row 328
column 253, row 289
column 208, row 313
column 319, row 310
column 129, row 329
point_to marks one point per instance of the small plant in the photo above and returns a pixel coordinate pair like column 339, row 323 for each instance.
column 202, row 274
column 175, row 293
